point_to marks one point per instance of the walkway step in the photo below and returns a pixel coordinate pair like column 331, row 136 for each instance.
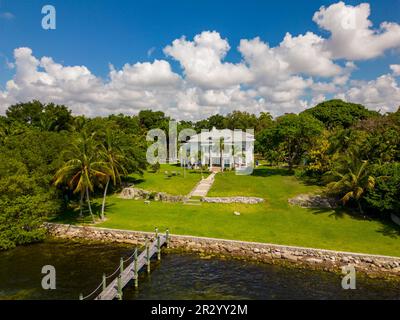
column 192, row 202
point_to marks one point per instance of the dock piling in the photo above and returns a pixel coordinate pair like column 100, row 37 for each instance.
column 136, row 271
column 104, row 282
column 121, row 265
column 148, row 256
column 158, row 248
column 119, row 284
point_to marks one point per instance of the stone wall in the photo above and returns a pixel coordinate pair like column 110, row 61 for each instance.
column 246, row 200
column 137, row 194
column 373, row 265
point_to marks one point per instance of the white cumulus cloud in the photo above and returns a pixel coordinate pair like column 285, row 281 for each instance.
column 352, row 34
column 299, row 72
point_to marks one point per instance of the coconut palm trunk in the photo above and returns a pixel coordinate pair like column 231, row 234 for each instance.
column 360, row 207
column 81, row 204
column 104, row 198
column 221, row 153
column 88, row 201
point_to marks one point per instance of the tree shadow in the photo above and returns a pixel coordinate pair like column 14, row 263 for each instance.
column 389, row 229
column 271, row 171
column 198, row 172
column 340, row 213
column 71, row 214
column 133, row 180
column 336, row 213
column 177, row 165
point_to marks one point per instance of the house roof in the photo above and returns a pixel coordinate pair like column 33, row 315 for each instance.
column 227, row 134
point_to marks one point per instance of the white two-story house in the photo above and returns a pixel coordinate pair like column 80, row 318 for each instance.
column 219, row 149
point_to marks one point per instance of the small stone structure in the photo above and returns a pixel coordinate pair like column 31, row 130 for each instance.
column 313, row 201
column 138, row 194
column 246, row 200
column 329, row 260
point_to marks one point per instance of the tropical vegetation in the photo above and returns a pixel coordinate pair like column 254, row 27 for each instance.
column 55, row 164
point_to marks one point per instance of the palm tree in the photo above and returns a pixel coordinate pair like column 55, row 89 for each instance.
column 113, row 160
column 353, row 183
column 221, row 152
column 81, row 169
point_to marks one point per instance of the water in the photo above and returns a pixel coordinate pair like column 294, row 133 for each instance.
column 178, row 276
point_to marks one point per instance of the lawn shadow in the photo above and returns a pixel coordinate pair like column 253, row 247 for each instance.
column 71, row 215
column 337, row 213
column 129, row 180
column 389, row 229
column 175, row 165
column 271, row 171
column 340, row 213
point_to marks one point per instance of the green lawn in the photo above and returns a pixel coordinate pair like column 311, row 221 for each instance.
column 180, row 184
column 274, row 221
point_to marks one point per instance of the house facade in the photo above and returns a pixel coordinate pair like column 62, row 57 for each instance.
column 224, row 148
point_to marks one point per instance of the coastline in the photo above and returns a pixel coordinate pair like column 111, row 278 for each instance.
column 374, row 266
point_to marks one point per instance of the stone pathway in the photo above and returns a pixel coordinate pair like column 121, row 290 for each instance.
column 200, row 190
column 203, row 187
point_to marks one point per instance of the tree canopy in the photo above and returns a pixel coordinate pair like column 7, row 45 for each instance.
column 334, row 113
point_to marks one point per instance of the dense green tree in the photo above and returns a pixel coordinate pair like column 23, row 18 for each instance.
column 292, row 135
column 380, row 140
column 264, row 121
column 24, row 203
column 318, row 158
column 149, row 119
column 240, row 120
column 216, row 121
column 28, row 113
column 55, row 118
column 385, row 197
column 27, row 162
column 334, row 113
column 202, row 125
column 128, row 124
column 48, row 117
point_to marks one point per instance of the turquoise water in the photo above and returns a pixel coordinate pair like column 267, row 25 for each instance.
column 79, row 268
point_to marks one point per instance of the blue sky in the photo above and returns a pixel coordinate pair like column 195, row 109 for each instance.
column 95, row 34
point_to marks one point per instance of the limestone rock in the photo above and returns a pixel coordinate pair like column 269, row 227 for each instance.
column 245, row 200
column 314, row 260
column 313, row 201
column 136, row 194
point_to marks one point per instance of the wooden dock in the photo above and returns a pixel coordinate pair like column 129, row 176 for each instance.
column 123, row 275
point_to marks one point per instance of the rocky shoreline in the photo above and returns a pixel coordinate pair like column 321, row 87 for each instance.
column 319, row 259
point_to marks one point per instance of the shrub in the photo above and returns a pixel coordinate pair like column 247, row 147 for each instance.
column 385, row 197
